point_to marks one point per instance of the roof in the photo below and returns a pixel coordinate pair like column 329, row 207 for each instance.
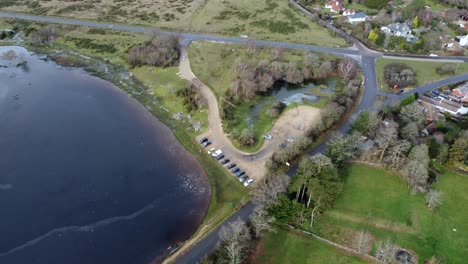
column 398, row 27
column 463, row 88
column 359, row 15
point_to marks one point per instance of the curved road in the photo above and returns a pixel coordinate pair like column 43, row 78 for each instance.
column 364, row 56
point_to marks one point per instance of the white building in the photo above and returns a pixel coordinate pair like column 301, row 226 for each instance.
column 463, row 40
column 357, row 18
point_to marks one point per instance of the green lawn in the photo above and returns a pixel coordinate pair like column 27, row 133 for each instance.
column 292, row 247
column 380, row 202
column 425, row 71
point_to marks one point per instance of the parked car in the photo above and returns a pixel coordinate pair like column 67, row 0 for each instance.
column 216, row 153
column 211, row 151
column 243, row 178
column 248, row 182
column 444, row 95
column 436, row 92
column 400, row 91
column 205, row 139
column 282, row 145
column 206, row 144
column 230, row 166
column 225, row 161
column 240, row 173
column 235, row 170
column 268, row 136
column 220, row 156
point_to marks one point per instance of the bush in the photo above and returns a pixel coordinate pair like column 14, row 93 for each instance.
column 375, row 4
column 161, row 51
column 446, row 69
column 247, row 137
column 85, row 43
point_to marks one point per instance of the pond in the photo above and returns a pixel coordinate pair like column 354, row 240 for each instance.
column 87, row 175
column 289, row 94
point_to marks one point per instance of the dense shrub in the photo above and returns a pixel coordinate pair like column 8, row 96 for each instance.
column 446, row 69
column 376, row 4
column 86, row 43
column 162, row 51
column 399, row 74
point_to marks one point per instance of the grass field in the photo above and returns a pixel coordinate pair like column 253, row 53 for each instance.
column 379, row 202
column 286, row 246
column 425, row 71
column 264, row 19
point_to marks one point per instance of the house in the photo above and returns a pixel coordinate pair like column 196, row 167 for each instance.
column 349, row 12
column 357, row 18
column 335, row 6
column 463, row 40
column 397, row 29
column 462, row 91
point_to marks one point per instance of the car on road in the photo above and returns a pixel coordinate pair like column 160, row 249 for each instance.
column 220, row 156
column 248, row 182
column 206, row 144
column 268, row 136
column 244, row 36
column 225, row 161
column 400, row 91
column 243, row 178
column 240, row 173
column 211, row 151
column 216, row 153
column 433, row 55
column 235, row 170
column 183, row 58
column 203, row 140
column 230, row 166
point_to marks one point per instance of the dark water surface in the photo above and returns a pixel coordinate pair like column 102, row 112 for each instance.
column 87, row 175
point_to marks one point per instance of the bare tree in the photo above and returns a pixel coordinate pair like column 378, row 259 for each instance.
column 432, row 41
column 386, row 136
column 294, row 74
column 433, row 199
column 426, row 17
column 45, row 35
column 267, row 190
column 415, row 170
column 362, row 242
column 261, row 221
column 347, row 68
column 386, row 251
column 409, row 131
column 234, row 238
column 251, row 46
column 412, row 113
column 277, row 70
column 397, row 153
column 325, row 69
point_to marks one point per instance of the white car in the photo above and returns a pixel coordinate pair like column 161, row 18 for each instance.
column 244, row 36
column 268, row 136
column 433, row 55
column 247, row 183
column 216, row 153
column 211, row 151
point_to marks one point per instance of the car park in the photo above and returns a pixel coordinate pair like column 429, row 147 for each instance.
column 206, row 144
column 203, row 140
column 225, row 161
column 243, row 178
column 230, row 166
column 240, row 173
column 248, row 182
column 211, row 151
column 217, row 153
column 220, row 156
column 235, row 170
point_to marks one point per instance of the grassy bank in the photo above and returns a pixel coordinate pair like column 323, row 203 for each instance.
column 287, row 246
column 380, row 202
column 227, row 193
column 425, row 71
column 265, row 19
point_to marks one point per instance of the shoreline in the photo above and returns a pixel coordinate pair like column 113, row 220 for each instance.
column 122, row 80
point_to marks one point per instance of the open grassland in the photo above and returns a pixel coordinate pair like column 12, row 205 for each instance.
column 287, row 246
column 262, row 19
column 425, row 71
column 380, row 203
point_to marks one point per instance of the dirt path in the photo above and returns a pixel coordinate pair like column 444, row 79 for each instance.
column 292, row 123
